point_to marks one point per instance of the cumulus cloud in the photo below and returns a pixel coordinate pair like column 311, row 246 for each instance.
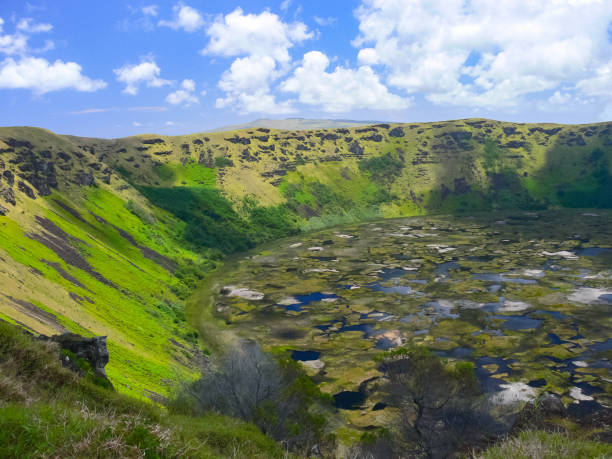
column 13, row 44
column 342, row 89
column 261, row 44
column 483, row 53
column 262, row 34
column 41, row 76
column 185, row 95
column 247, row 86
column 185, row 17
column 147, row 72
column 29, row 26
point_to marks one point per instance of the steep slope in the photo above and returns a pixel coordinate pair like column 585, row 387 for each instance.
column 109, row 237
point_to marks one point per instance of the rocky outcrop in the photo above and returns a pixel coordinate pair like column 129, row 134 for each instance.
column 536, row 414
column 92, row 350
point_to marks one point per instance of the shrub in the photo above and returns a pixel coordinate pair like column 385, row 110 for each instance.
column 441, row 407
column 222, row 161
column 273, row 393
column 382, row 169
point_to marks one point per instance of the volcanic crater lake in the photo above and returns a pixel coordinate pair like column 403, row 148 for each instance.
column 526, row 297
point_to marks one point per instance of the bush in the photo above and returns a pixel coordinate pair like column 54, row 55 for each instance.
column 272, row 393
column 222, row 161
column 382, row 169
column 441, row 405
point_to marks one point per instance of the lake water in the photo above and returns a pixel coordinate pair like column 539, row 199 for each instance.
column 527, row 300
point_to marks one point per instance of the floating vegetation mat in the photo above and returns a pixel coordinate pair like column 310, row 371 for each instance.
column 527, row 297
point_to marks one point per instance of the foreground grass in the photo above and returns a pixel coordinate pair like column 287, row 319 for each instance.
column 545, row 445
column 48, row 411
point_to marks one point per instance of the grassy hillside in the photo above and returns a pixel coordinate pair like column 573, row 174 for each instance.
column 110, row 237
column 48, row 411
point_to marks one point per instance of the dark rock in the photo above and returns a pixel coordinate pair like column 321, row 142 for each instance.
column 18, row 143
column 576, row 141
column 3, row 211
column 246, row 155
column 383, row 126
column 550, row 404
column 84, row 178
column 367, row 129
column 356, row 149
column 29, row 192
column 9, row 196
column 536, row 414
column 93, row 350
column 64, row 156
column 265, row 130
column 460, row 136
column 152, row 141
column 545, row 131
column 301, row 147
column 509, row 130
column 9, row 177
column 163, row 153
column 239, row 140
column 514, row 144
column 374, row 138
column 397, row 132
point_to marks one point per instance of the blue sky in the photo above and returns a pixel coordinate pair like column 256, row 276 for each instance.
column 118, row 68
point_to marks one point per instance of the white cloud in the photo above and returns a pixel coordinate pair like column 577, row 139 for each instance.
column 284, row 6
column 150, row 10
column 93, row 110
column 341, row 90
column 137, row 124
column 259, row 101
column 133, row 76
column 325, row 21
column 483, row 53
column 27, row 25
column 600, row 83
column 247, row 86
column 264, row 34
column 185, row 95
column 186, row 18
column 40, row 76
column 261, row 42
column 170, row 123
column 248, row 74
column 13, row 44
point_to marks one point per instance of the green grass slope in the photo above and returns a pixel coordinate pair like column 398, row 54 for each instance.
column 49, row 411
column 110, row 237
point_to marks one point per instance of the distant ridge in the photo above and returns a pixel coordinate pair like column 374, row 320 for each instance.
column 296, row 124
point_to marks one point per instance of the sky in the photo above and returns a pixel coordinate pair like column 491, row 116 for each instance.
column 116, row 68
